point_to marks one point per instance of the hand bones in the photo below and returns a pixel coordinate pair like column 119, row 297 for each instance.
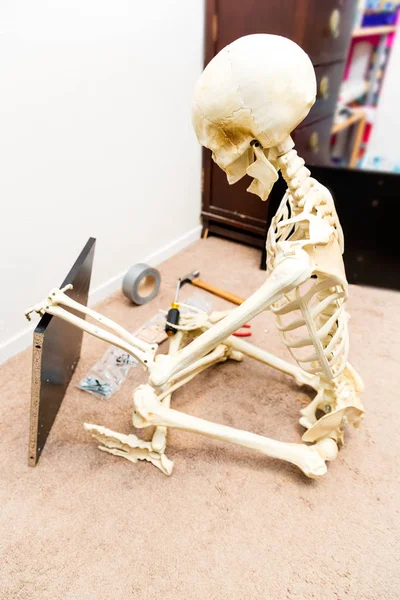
column 56, row 299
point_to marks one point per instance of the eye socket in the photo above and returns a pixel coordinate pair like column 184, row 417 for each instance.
column 255, row 143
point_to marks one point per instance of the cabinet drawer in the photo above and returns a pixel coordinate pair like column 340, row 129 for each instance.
column 236, row 18
column 312, row 142
column 327, row 29
column 329, row 78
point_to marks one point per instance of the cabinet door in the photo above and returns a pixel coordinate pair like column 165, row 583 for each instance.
column 232, row 205
column 238, row 17
column 312, row 142
column 327, row 29
column 329, row 78
column 321, row 27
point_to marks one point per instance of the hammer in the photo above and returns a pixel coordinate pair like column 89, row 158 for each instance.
column 193, row 279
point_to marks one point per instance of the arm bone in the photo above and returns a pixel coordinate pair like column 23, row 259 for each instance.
column 132, row 345
column 288, row 274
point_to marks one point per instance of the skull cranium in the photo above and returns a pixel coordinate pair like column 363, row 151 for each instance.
column 254, row 92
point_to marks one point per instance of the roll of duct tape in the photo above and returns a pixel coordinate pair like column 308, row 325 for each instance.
column 141, row 283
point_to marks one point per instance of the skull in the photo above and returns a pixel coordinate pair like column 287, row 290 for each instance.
column 248, row 100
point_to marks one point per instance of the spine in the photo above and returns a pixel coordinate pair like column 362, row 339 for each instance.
column 296, row 175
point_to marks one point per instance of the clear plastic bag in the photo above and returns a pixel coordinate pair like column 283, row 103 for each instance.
column 107, row 375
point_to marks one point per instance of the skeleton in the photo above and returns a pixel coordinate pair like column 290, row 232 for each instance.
column 247, row 102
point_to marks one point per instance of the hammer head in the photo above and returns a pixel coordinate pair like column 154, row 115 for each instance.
column 190, row 276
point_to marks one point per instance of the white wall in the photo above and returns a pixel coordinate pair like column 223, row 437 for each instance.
column 95, row 139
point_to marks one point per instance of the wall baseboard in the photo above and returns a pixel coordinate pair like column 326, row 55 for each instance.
column 115, row 283
column 23, row 339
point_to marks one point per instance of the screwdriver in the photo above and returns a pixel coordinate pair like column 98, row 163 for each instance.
column 173, row 314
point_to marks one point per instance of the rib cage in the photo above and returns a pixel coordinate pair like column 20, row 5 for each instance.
column 312, row 317
column 313, row 323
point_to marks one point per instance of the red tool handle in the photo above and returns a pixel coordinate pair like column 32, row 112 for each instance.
column 240, row 333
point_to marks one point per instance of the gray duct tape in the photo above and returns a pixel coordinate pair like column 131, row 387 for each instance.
column 141, row 283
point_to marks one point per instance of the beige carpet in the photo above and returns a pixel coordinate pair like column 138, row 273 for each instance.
column 229, row 524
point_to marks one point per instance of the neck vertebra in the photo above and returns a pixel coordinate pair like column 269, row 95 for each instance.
column 296, row 175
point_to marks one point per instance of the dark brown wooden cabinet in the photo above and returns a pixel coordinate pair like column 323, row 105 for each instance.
column 323, row 29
